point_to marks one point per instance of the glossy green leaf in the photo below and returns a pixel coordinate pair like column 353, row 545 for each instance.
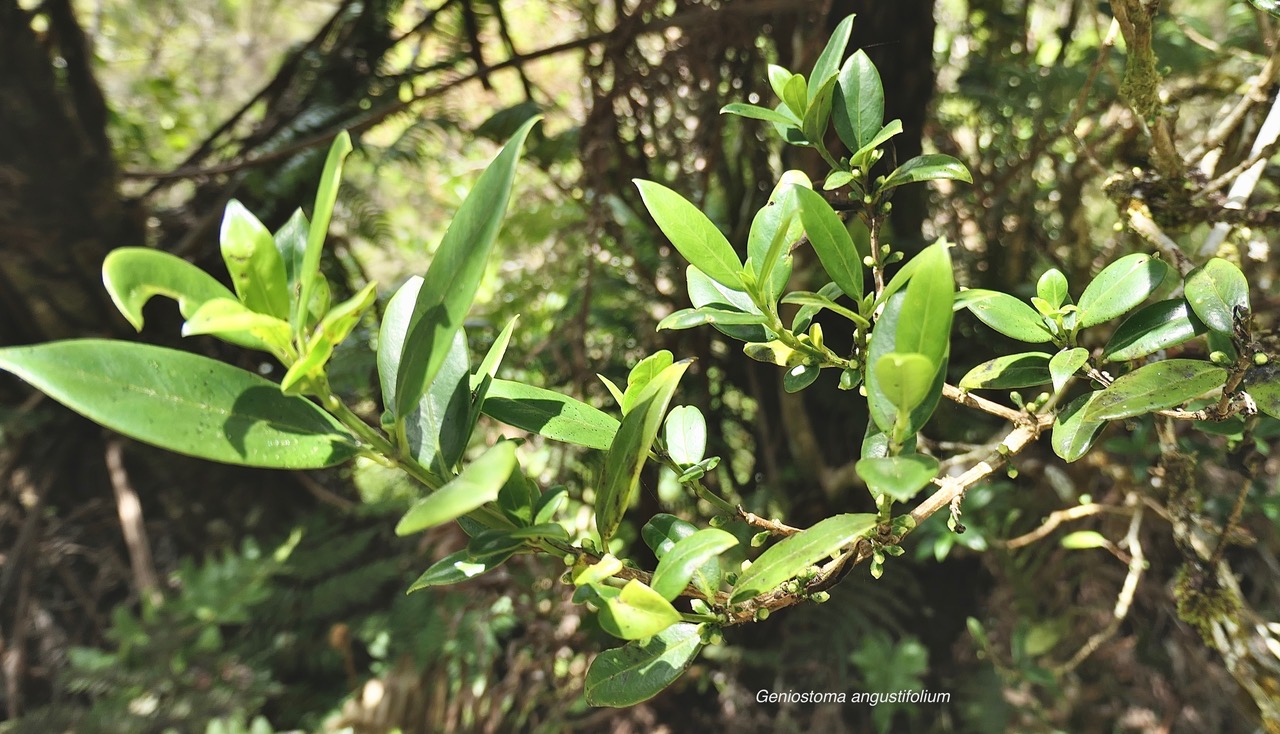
column 858, row 106
column 621, row 475
column 795, row 553
column 795, row 95
column 663, row 531
column 1119, row 287
column 883, row 341
column 334, row 327
column 614, row 390
column 544, row 531
column 638, row 671
column 826, row 296
column 799, row 377
column 818, row 114
column 1006, row 314
column 1156, row 386
column 778, row 78
column 1064, row 364
column 458, row 567
column 1215, row 290
column 1270, row 7
column 1263, row 384
column 550, row 414
column 256, row 267
column 688, row 318
column 451, row 281
column 291, row 243
column 1015, row 370
column 183, row 402
column 1073, row 435
column 678, row 565
column 925, row 323
column 828, row 63
column 227, row 318
column 929, row 167
column 862, row 156
column 900, row 477
column 819, row 301
column 905, row 378
column 642, row 374
column 703, row 291
column 549, row 504
column 774, row 229
column 1151, row 328
column 1052, row 287
column 637, row 612
column 691, row 233
column 685, row 434
column 758, row 113
column 309, row 277
column 439, row 427
column 831, row 241
column 478, row 484
column 518, row 499
column 493, row 358
column 606, row 567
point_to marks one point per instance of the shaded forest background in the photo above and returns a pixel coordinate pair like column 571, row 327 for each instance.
column 143, row 592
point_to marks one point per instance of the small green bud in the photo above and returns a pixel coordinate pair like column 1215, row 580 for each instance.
column 1012, row 473
column 1219, row 358
column 862, row 390
column 746, row 564
column 885, row 249
column 868, row 261
column 894, row 550
column 568, row 559
column 699, row 606
column 868, row 199
column 877, row 569
column 878, row 556
column 897, row 256
column 1041, row 399
column 760, row 539
column 717, row 521
column 821, row 597
column 888, row 207
column 1260, row 359
column 762, row 614
column 588, row 545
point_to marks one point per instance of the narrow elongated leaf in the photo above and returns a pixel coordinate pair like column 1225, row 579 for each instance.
column 638, row 671
column 690, row 232
column 929, row 167
column 477, row 485
column 759, row 113
column 1073, row 435
column 905, row 378
column 550, row 414
column 686, row 434
column 1015, row 370
column 518, row 499
column 228, row 319
column 1084, row 539
column 828, row 63
column 493, row 358
column 439, row 427
column 334, row 327
column 256, row 267
column 925, row 323
column 451, row 281
column 642, row 374
column 1119, row 287
column 773, row 230
column 309, row 278
column 804, row 316
column 1215, row 290
column 1052, row 287
column 1006, row 314
column 819, row 301
column 1157, row 386
column 291, row 243
column 818, row 114
column 703, row 291
column 637, row 612
column 795, row 95
column 1065, row 363
column 688, row 318
column 1151, row 328
column 858, row 107
column 892, row 129
column 677, row 567
column 793, row 554
column 458, row 567
column 183, row 402
column 630, row 448
column 900, row 477
column 832, row 242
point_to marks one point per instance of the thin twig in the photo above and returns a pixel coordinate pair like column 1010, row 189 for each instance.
column 132, row 525
column 1056, row 518
column 773, row 526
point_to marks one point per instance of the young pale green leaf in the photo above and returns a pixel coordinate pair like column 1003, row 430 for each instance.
column 929, row 167
column 759, row 113
column 1119, row 287
column 605, row 568
column 309, row 276
column 900, row 477
column 1084, row 539
column 686, row 434
column 1215, row 290
column 778, row 78
column 550, row 414
column 454, row 276
column 703, row 291
column 638, row 671
column 1156, row 386
column 882, row 342
column 229, row 319
column 1263, row 384
column 478, row 484
column 925, row 323
column 905, row 378
column 391, row 336
column 630, row 448
column 858, row 107
column 1005, row 314
column 774, row 352
column 799, row 377
column 183, row 402
column 774, row 229
column 493, row 358
column 828, row 63
column 1065, row 363
column 862, row 157
column 291, row 243
column 1015, row 370
column 795, row 95
column 1052, row 287
column 691, row 233
column 793, row 554
column 1151, row 328
column 688, row 318
column 826, row 296
column 1073, row 435
column 334, row 327
column 549, row 504
column 642, row 374
column 518, row 499
column 637, row 613
column 614, row 390
column 677, row 567
column 458, row 567
column 256, row 267
column 832, row 242
column 819, row 301
column 816, row 117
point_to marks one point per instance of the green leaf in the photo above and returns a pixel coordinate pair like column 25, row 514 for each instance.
column 459, row 566
column 773, row 230
column 677, row 567
column 642, row 374
column 547, row 506
column 309, row 276
column 883, row 341
column 613, row 389
column 686, row 434
column 1270, row 7
column 1006, row 314
column 831, row 241
column 550, row 414
column 663, row 531
column 862, row 156
column 334, row 327
column 1015, row 370
column 687, row 318
column 925, row 323
column 440, row 425
column 1084, row 539
column 930, row 167
column 630, row 448
column 1073, row 435
column 828, row 63
column 905, row 378
column 703, row 291
column 818, row 114
column 818, row 301
column 1155, row 386
column 900, row 477
column 1215, row 290
column 1052, row 287
column 1263, row 384
column 477, row 485
column 638, row 671
column 605, row 568
column 1064, row 364
column 825, row 297
column 1119, row 287
column 799, row 377
column 793, row 554
column 256, row 267
column 636, row 613
column 454, row 276
column 227, row 318
column 183, row 402
column 1151, row 328
column 493, row 358
column 795, row 95
column 518, row 499
column 858, row 106
column 758, row 113
column 691, row 233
